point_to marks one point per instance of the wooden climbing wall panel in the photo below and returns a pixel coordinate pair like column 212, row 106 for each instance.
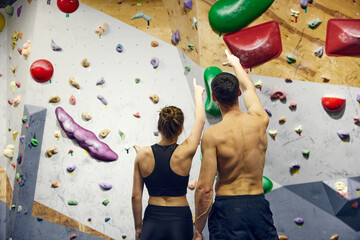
column 297, row 39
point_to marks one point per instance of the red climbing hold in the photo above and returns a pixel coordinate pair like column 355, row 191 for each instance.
column 41, row 70
column 73, row 236
column 333, row 104
column 343, row 37
column 68, row 6
column 255, row 45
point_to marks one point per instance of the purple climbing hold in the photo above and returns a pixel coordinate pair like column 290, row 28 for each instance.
column 175, row 38
column 22, row 138
column 304, row 3
column 188, row 4
column 40, row 219
column 343, row 135
column 119, row 48
column 299, row 221
column 268, row 111
column 156, row 133
column 71, row 167
column 358, row 97
column 100, row 82
column 105, row 185
column 54, row 46
column 102, row 99
column 18, row 11
column 89, row 219
column 154, row 62
column 294, row 166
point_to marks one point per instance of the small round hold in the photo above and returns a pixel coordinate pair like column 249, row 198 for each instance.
column 155, row 62
column 55, row 184
column 34, row 142
column 71, row 167
column 85, row 63
column 154, row 44
column 86, row 116
column 119, row 48
column 282, row 120
column 54, row 99
column 51, row 151
column 72, row 100
column 154, row 98
column 57, row 133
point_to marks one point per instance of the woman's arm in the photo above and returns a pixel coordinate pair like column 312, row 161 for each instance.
column 136, row 199
column 190, row 145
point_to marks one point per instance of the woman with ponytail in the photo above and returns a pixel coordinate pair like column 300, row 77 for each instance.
column 164, row 168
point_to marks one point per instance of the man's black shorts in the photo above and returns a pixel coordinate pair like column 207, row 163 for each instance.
column 244, row 217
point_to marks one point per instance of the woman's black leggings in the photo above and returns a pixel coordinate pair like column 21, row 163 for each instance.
column 167, row 223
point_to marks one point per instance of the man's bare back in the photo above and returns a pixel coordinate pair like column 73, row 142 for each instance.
column 241, row 143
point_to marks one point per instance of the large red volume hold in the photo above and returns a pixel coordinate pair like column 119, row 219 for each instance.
column 343, row 37
column 68, row 6
column 333, row 104
column 41, row 70
column 255, row 45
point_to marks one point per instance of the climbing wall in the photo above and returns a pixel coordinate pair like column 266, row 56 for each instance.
column 129, row 80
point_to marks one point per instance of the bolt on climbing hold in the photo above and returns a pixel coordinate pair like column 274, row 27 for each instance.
column 155, row 62
column 137, row 80
column 188, row 4
column 290, row 58
column 295, row 14
column 102, row 99
column 277, row 94
column 14, row 134
column 72, row 100
column 299, row 221
column 101, row 29
column 123, row 237
column 141, row 15
column 122, row 135
column 104, row 133
column 10, row 101
column 73, row 236
column 319, row 52
column 287, row 79
column 19, row 159
column 194, row 24
column 283, row 237
column 192, row 185
column 175, row 38
column 39, row 219
column 107, row 219
column 86, row 116
column 258, row 84
column 55, row 184
column 71, row 152
column 294, row 168
column 51, row 151
column 72, row 202
column 19, row 208
column 17, row 101
column 137, row 115
column 334, row 237
column 119, row 48
column 71, row 168
column 356, row 120
column 54, row 99
column 85, row 63
column 106, row 202
column 105, row 185
column 18, row 84
column 22, row 138
column 17, row 176
column 34, row 142
column 306, row 153
column 100, row 82
column 191, row 47
column 314, row 23
column 127, row 148
column 282, row 120
column 12, row 86
column 57, row 133
column 154, row 44
column 24, row 119
column 74, row 83
column 298, row 130
column 154, row 98
column 187, row 69
column 344, row 135
column 293, row 106
column 55, row 47
column 272, row 133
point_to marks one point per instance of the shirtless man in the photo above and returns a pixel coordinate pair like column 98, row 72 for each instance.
column 235, row 150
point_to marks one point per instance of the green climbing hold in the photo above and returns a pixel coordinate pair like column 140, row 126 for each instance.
column 267, row 185
column 17, row 176
column 34, row 142
column 191, row 47
column 188, row 69
column 122, row 135
column 72, row 202
column 211, row 107
column 105, row 202
column 24, row 119
column 306, row 153
column 290, row 58
column 232, row 15
column 9, row 129
column 13, row 206
column 314, row 23
column 137, row 80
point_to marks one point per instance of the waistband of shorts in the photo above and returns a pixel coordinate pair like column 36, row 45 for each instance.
column 167, row 212
column 240, row 197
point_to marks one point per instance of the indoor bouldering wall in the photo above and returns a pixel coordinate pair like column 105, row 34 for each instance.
column 309, row 155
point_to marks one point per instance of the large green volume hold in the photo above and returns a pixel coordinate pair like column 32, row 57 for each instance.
column 232, row 15
column 211, row 107
column 267, row 185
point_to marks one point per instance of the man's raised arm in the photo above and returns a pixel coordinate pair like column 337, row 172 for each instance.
column 251, row 99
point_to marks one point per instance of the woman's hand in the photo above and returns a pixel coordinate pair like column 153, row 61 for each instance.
column 198, row 90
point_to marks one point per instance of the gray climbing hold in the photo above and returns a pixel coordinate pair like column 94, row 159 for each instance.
column 319, row 52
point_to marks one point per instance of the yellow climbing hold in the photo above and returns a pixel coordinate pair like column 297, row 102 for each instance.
column 2, row 22
column 12, row 86
column 15, row 135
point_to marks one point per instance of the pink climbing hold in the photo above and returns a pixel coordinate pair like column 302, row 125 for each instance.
column 137, row 115
column 72, row 100
column 333, row 104
column 277, row 94
column 292, row 105
column 73, row 236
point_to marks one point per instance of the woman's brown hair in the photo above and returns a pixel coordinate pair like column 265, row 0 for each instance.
column 171, row 120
